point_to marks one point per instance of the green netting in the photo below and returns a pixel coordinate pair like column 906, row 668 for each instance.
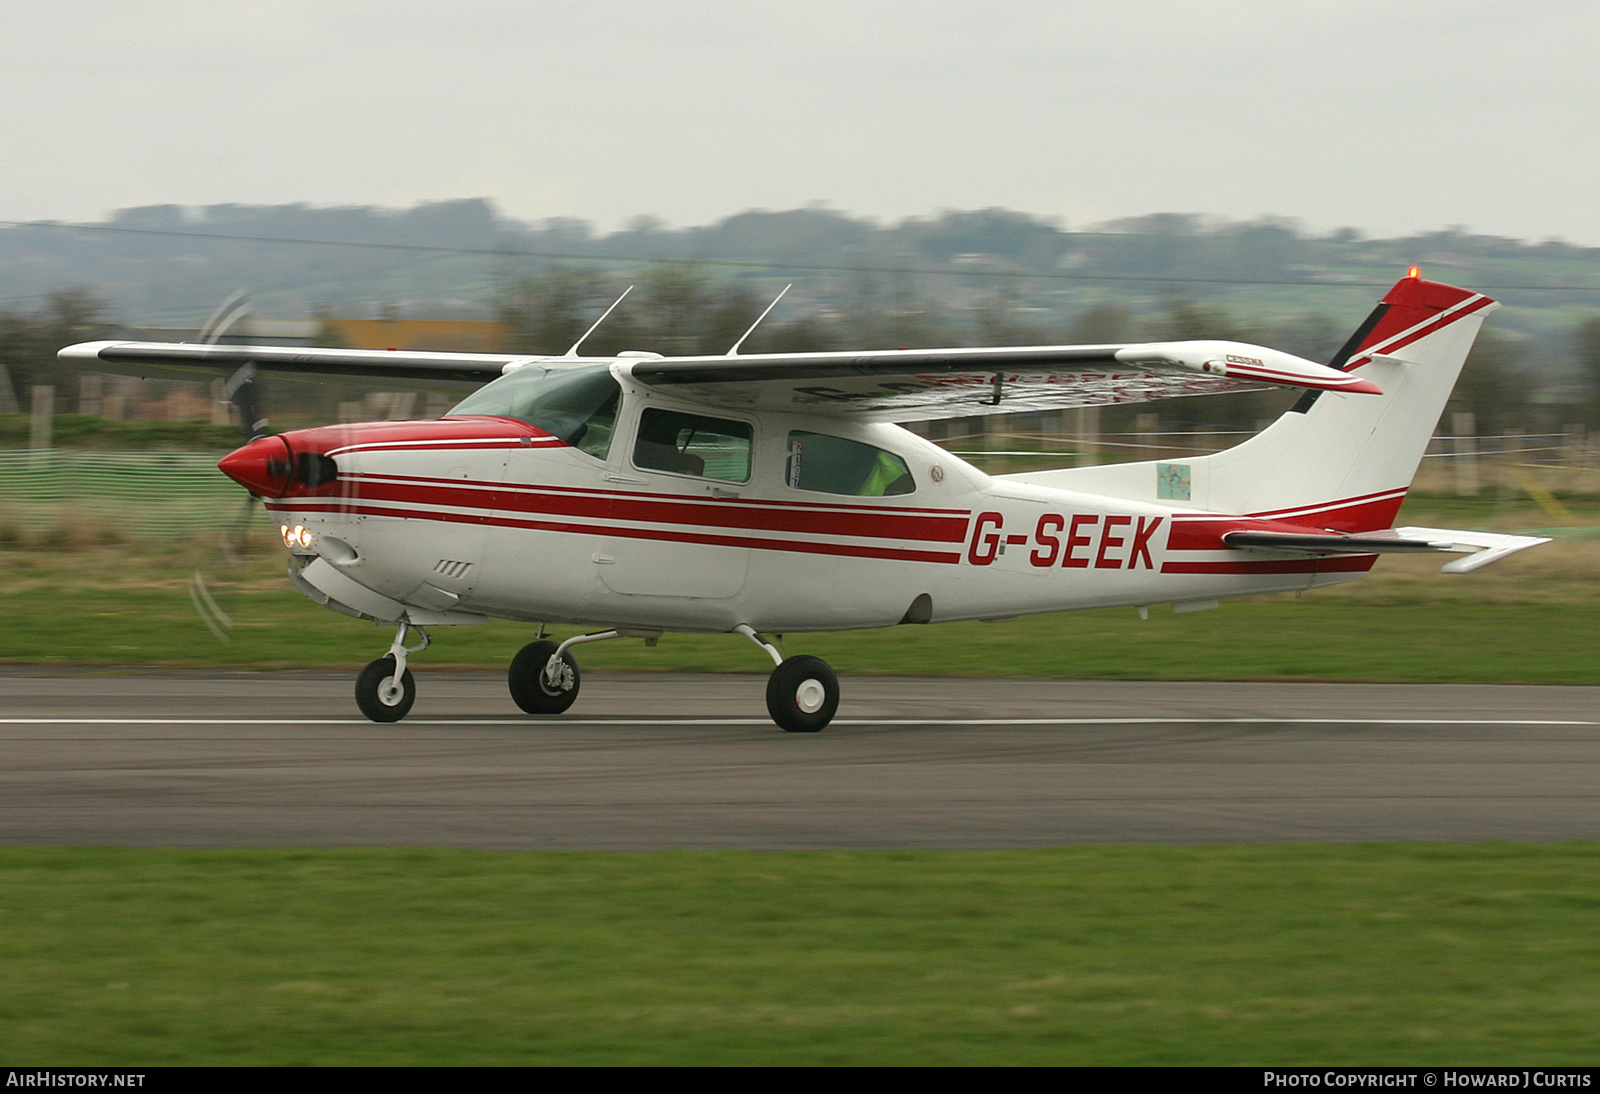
column 139, row 493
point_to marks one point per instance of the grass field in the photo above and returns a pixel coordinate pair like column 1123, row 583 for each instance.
column 1534, row 618
column 1295, row 954
column 1388, row 954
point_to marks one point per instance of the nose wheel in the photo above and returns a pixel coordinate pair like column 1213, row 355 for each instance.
column 382, row 695
column 385, row 689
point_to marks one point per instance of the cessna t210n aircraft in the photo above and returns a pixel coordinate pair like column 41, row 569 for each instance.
column 765, row 494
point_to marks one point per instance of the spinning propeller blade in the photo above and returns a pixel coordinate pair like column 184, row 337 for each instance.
column 241, row 391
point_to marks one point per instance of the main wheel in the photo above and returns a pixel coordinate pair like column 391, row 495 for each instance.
column 802, row 694
column 529, row 688
column 381, row 697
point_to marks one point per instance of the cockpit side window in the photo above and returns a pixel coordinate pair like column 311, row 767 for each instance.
column 578, row 405
column 833, row 465
column 693, row 444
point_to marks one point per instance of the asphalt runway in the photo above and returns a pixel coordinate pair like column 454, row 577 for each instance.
column 645, row 761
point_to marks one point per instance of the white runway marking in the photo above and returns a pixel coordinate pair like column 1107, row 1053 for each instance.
column 689, row 720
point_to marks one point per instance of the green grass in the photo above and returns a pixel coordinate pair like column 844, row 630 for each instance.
column 1536, row 621
column 1384, row 954
column 89, row 431
column 1266, row 640
column 1534, row 618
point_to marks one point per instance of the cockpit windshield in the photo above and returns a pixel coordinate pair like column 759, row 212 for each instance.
column 578, row 405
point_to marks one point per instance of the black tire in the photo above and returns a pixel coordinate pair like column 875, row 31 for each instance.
column 803, row 694
column 374, row 681
column 527, row 684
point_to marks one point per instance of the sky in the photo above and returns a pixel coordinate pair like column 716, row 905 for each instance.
column 1392, row 118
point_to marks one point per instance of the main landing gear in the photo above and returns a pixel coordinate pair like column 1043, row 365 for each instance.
column 544, row 677
column 802, row 692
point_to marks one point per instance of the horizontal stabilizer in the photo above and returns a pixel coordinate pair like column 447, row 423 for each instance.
column 1481, row 548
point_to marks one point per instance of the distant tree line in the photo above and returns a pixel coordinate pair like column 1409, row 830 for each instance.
column 455, row 259
column 30, row 337
column 682, row 308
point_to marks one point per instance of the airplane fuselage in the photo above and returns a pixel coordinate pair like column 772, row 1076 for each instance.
column 488, row 516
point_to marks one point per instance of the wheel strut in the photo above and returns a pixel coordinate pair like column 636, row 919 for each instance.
column 385, row 689
column 802, row 692
column 400, row 651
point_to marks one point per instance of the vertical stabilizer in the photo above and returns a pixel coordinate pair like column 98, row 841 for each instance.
column 1346, row 461
column 1336, row 460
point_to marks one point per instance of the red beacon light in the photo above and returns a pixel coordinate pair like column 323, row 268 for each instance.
column 1414, row 272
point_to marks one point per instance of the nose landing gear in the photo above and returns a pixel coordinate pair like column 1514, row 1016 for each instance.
column 385, row 689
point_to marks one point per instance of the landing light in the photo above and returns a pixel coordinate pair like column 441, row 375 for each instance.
column 298, row 536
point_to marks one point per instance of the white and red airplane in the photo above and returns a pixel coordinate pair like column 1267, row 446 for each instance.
column 771, row 493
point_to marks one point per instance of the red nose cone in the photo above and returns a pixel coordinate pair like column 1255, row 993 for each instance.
column 261, row 467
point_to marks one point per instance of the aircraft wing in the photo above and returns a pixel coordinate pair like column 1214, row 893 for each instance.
column 1481, row 548
column 190, row 361
column 880, row 385
column 924, row 384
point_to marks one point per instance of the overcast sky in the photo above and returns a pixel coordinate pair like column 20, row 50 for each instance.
column 1391, row 117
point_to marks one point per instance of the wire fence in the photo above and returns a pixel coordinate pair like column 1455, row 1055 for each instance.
column 137, row 494
column 170, row 494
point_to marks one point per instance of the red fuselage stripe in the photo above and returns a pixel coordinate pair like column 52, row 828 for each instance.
column 622, row 507
column 548, row 488
column 797, row 546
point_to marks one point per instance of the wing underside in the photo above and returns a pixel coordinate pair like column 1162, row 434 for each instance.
column 878, row 385
column 918, row 385
column 934, row 396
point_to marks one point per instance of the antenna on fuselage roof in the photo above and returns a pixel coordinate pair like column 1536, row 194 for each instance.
column 573, row 352
column 733, row 350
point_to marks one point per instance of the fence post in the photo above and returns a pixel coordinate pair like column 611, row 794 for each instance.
column 91, row 387
column 1576, row 454
column 1464, row 425
column 43, row 416
column 8, row 394
column 1088, row 431
column 1145, row 428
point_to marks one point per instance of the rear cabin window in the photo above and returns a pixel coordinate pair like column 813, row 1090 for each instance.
column 693, row 444
column 833, row 465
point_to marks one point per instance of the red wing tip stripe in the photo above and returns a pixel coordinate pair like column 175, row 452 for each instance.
column 1341, row 383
